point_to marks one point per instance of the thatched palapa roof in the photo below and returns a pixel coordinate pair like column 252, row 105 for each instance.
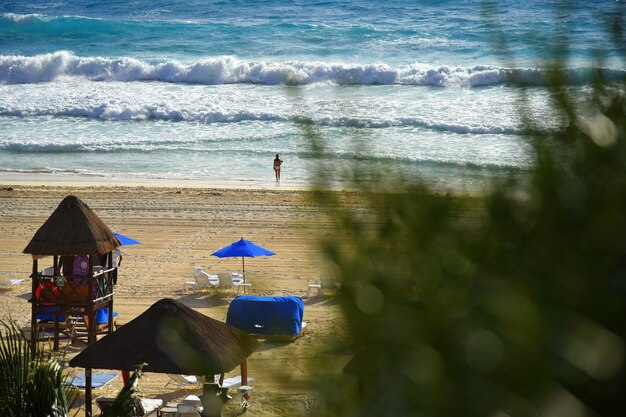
column 72, row 229
column 172, row 338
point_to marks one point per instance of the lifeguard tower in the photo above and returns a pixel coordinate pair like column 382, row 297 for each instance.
column 83, row 273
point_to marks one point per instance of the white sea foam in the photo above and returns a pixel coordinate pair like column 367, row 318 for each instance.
column 231, row 70
column 157, row 147
column 121, row 113
column 42, row 18
column 21, row 18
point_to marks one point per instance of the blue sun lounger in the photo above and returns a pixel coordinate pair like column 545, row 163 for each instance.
column 98, row 380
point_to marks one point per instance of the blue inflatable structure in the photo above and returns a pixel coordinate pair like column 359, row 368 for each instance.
column 281, row 316
column 102, row 315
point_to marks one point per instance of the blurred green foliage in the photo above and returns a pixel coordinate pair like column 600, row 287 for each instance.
column 511, row 303
column 31, row 383
column 126, row 403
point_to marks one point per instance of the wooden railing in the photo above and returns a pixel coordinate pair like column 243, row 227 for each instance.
column 73, row 290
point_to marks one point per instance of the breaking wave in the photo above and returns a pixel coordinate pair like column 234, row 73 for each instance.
column 231, row 70
column 142, row 113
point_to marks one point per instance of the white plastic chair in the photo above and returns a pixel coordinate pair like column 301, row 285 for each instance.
column 193, row 285
column 202, row 280
column 317, row 287
column 9, row 283
column 188, row 410
column 324, row 284
column 214, row 280
column 233, row 382
column 238, row 281
column 236, row 277
column 184, row 382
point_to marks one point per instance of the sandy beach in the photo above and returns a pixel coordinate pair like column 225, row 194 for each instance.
column 179, row 227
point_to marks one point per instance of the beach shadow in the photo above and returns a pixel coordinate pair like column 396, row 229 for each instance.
column 314, row 300
column 26, row 296
column 331, row 301
column 320, row 300
column 338, row 349
column 217, row 300
column 199, row 300
column 177, row 395
column 269, row 345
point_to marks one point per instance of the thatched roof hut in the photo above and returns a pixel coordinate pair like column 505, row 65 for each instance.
column 72, row 229
column 170, row 337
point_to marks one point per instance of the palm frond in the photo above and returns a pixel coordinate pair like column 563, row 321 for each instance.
column 126, row 403
column 31, row 383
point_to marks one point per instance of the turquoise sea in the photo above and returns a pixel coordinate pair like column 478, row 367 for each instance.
column 210, row 91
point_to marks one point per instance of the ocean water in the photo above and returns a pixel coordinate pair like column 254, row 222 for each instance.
column 210, row 91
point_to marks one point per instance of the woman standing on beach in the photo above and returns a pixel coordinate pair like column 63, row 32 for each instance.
column 277, row 163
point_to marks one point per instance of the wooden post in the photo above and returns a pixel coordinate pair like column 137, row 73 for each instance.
column 244, row 372
column 57, row 330
column 91, row 335
column 124, row 376
column 88, row 410
column 108, row 278
column 55, row 311
column 33, row 315
column 91, row 316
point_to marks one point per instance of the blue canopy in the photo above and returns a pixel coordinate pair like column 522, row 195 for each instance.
column 266, row 315
column 125, row 240
column 243, row 248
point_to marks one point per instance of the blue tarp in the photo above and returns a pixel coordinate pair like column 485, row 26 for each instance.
column 266, row 315
column 98, row 380
column 102, row 315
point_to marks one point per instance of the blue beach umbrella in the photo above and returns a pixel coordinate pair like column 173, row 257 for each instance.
column 125, row 240
column 245, row 249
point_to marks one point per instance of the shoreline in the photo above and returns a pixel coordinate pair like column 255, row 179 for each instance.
column 51, row 180
column 42, row 181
